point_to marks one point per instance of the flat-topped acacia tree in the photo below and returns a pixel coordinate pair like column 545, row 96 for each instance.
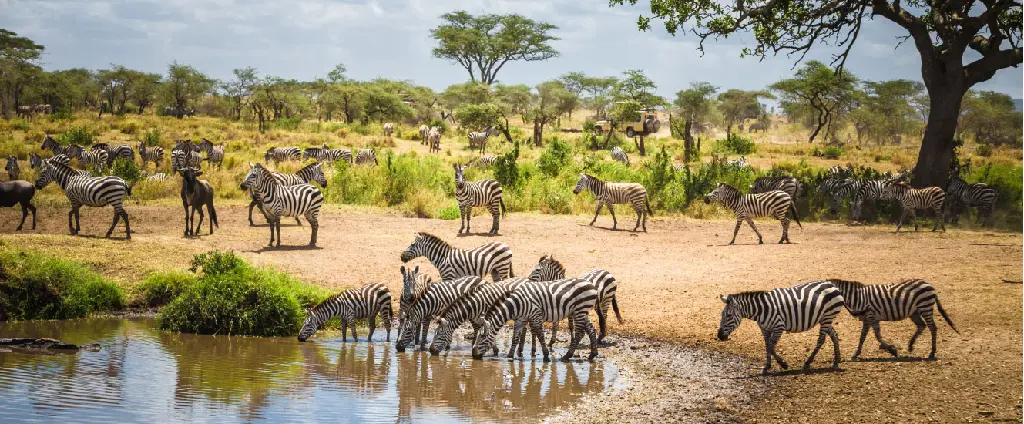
column 942, row 31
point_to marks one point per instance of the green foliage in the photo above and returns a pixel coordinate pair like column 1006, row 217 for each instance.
column 420, row 185
column 79, row 135
column 449, row 213
column 151, row 137
column 830, row 152
column 735, row 144
column 484, row 43
column 505, row 169
column 659, row 176
column 17, row 124
column 158, row 289
column 61, row 115
column 126, row 169
column 555, row 157
column 287, row 124
column 36, row 286
column 478, row 116
column 984, row 150
column 129, row 127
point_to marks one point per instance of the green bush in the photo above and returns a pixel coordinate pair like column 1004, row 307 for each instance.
column 151, row 137
column 76, row 135
column 555, row 157
column 735, row 144
column 129, row 127
column 35, row 286
column 832, row 152
column 232, row 297
column 984, row 150
column 286, row 124
column 61, row 115
column 17, row 124
column 506, row 170
column 126, row 169
column 158, row 289
column 449, row 213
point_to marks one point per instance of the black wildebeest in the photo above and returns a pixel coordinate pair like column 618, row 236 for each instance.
column 19, row 192
column 196, row 193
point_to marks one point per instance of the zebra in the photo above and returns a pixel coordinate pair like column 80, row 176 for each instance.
column 82, row 189
column 350, row 305
column 365, row 156
column 494, row 258
column 479, row 139
column 413, row 286
column 434, row 140
column 13, row 171
column 185, row 154
column 485, row 193
column 315, row 153
column 837, row 171
column 790, row 185
column 911, row 298
column 868, row 191
column 837, row 189
column 334, row 155
column 159, row 176
column 116, row 152
column 214, row 154
column 279, row 200
column 739, row 163
column 70, row 150
column 617, row 193
column 539, row 302
column 774, row 203
column 620, row 155
column 482, row 161
column 278, row 154
column 470, row 308
column 435, row 298
column 153, row 154
column 34, row 161
column 423, row 134
column 95, row 157
column 307, row 175
column 548, row 268
column 389, row 128
column 795, row 309
column 912, row 199
column 978, row 195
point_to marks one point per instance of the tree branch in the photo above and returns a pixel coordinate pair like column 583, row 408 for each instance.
column 983, row 69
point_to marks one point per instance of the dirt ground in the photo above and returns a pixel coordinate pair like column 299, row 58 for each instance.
column 669, row 282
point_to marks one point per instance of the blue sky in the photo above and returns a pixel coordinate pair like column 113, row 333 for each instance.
column 390, row 39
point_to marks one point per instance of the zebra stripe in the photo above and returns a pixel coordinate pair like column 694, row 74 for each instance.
column 365, row 156
column 548, row 269
column 790, row 185
column 96, row 157
column 214, row 154
column 83, row 190
column 423, row 134
column 434, row 139
column 794, row 310
column 482, row 161
column 278, row 154
column 435, row 299
column 279, row 200
column 307, row 175
column 159, row 176
column 867, row 191
column 485, row 193
column 620, row 155
column 51, row 144
column 749, row 206
column 13, row 171
column 35, row 161
column 153, row 154
column 119, row 152
column 470, row 308
column 912, row 199
column 913, row 298
column 185, row 154
column 837, row 189
column 494, row 258
column 617, row 193
column 413, row 286
column 977, row 195
column 365, row 302
column 479, row 139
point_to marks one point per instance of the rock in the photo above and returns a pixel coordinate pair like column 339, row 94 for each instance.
column 42, row 343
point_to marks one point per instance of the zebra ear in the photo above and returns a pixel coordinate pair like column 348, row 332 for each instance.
column 725, row 299
column 416, row 270
column 403, row 270
column 251, row 165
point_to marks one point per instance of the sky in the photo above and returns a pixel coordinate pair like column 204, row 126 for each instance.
column 391, row 39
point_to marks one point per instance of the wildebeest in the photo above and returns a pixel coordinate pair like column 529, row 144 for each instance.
column 757, row 126
column 195, row 194
column 19, row 192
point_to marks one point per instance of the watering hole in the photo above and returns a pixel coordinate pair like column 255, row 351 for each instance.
column 141, row 374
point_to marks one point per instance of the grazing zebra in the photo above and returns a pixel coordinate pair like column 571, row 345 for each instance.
column 35, row 161
column 837, row 171
column 435, row 299
column 837, row 189
column 389, row 128
column 326, row 154
column 278, row 154
column 472, row 308
column 434, row 139
column 912, row 199
column 539, row 302
column 315, row 153
column 84, row 190
column 485, row 193
column 548, row 268
column 214, row 154
column 307, row 175
column 277, row 200
column 13, row 171
column 790, row 185
column 95, row 157
column 494, row 258
column 159, row 176
column 413, row 286
column 620, row 155
column 116, row 152
column 365, row 302
column 978, row 195
column 739, row 163
column 185, row 154
column 423, row 134
column 365, row 156
column 153, row 154
column 70, row 150
column 774, row 203
column 609, row 194
column 479, row 139
column 482, row 161
column 794, row 310
column 912, row 298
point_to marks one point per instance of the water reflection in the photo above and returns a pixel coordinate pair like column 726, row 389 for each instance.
column 142, row 374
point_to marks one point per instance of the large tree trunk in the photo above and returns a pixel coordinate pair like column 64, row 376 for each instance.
column 687, row 141
column 937, row 147
column 538, row 133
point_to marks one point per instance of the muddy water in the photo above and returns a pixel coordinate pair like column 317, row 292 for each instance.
column 141, row 374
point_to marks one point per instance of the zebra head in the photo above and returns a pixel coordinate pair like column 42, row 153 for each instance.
column 731, row 316
column 484, row 339
column 313, row 322
column 460, row 177
column 46, row 176
column 408, row 295
column 722, row 193
column 419, row 247
column 205, row 145
column 442, row 336
column 50, row 143
column 12, row 163
column 407, row 332
column 547, row 269
column 314, row 172
column 582, row 184
column 34, row 161
column 250, row 178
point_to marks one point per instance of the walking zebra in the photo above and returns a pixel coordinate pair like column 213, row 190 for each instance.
column 794, row 310
column 548, row 269
column 434, row 139
column 389, row 128
column 153, row 154
column 494, row 258
column 307, row 175
column 365, row 302
column 479, row 139
column 790, row 185
column 609, row 194
column 214, row 154
column 620, row 155
column 912, row 199
column 472, row 308
column 912, row 298
column 278, row 154
column 867, row 191
column 70, row 150
column 413, row 286
column 13, row 171
column 435, row 298
column 84, row 190
column 485, row 193
column 277, row 200
column 95, row 157
column 423, row 134
column 977, row 195
column 837, row 189
column 365, row 156
column 185, row 154
column 539, row 302
column 315, row 153
column 326, row 154
column 774, row 203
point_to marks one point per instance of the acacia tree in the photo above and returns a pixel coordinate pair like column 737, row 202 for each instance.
column 636, row 87
column 694, row 104
column 942, row 32
column 184, row 85
column 991, row 118
column 599, row 90
column 826, row 94
column 144, row 88
column 575, row 83
column 737, row 105
column 19, row 57
column 551, row 101
column 484, row 44
column 239, row 89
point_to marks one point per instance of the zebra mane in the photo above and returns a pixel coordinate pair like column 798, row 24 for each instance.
column 329, row 299
column 591, row 177
column 729, row 188
column 310, row 166
column 851, row 283
column 430, row 238
column 746, row 295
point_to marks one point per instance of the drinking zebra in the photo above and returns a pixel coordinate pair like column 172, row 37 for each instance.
column 84, row 190
column 794, row 310
column 548, row 269
column 479, row 139
column 389, row 128
column 435, row 298
column 472, row 308
column 774, row 203
column 790, row 185
column 95, row 157
column 977, row 195
column 185, row 154
column 485, row 193
column 423, row 134
column 912, row 199
column 307, row 175
column 365, row 156
column 620, row 155
column 214, row 154
column 494, row 258
column 413, row 286
column 365, row 302
column 13, row 171
column 434, row 139
column 153, row 154
column 539, row 302
column 609, row 194
column 277, row 200
column 912, row 298
column 837, row 189
column 278, row 154
column 70, row 150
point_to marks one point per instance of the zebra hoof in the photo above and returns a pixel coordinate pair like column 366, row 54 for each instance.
column 566, row 358
column 931, row 357
column 759, row 241
column 807, row 366
column 764, row 371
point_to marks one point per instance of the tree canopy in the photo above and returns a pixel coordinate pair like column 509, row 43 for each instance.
column 19, row 57
column 821, row 94
column 484, row 44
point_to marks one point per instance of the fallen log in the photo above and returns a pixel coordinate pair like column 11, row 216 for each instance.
column 41, row 343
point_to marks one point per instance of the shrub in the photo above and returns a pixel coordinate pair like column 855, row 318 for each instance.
column 160, row 288
column 362, row 129
column 16, row 125
column 735, row 144
column 35, row 137
column 832, row 152
column 35, row 286
column 128, row 127
column 61, row 115
column 76, row 135
column 126, row 169
column 505, row 170
column 449, row 213
column 287, row 124
column 342, row 132
column 555, row 157
column 984, row 150
column 151, row 137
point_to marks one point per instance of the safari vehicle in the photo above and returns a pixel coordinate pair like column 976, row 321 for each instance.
column 646, row 123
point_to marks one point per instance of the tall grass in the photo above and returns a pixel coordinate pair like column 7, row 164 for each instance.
column 36, row 286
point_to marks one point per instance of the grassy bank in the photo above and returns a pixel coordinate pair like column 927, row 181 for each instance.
column 39, row 286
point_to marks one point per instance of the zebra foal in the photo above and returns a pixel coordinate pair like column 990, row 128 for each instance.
column 365, row 302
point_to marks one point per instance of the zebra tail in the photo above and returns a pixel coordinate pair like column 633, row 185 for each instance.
column 792, row 207
column 213, row 215
column 129, row 191
column 647, row 202
column 944, row 316
column 615, row 307
column 502, row 203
